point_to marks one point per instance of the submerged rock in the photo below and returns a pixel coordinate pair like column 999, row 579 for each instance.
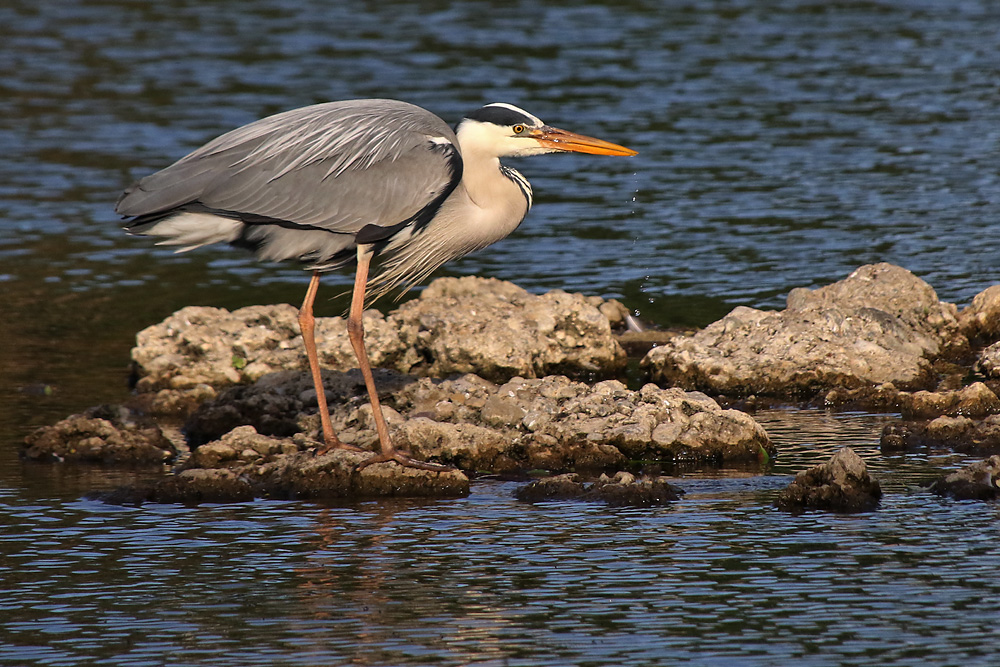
column 458, row 325
column 842, row 484
column 105, row 434
column 622, row 489
column 978, row 481
column 880, row 325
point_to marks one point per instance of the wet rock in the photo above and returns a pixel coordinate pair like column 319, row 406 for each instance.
column 980, row 321
column 620, row 490
column 842, row 484
column 244, row 465
column 106, row 434
column 458, row 325
column 334, row 475
column 960, row 433
column 880, row 325
column 284, row 403
column 188, row 487
column 988, row 362
column 975, row 401
column 979, row 481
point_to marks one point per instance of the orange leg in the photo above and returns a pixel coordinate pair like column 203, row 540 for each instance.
column 356, row 331
column 307, row 323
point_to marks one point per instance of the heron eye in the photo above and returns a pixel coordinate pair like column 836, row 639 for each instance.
column 519, row 129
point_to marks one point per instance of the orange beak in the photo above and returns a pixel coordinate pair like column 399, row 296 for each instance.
column 571, row 142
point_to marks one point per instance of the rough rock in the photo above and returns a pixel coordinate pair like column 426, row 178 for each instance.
column 555, row 423
column 244, row 465
column 959, row 433
column 980, row 321
column 975, row 401
column 988, row 362
column 106, row 434
column 978, row 481
column 551, row 423
column 622, row 489
column 458, row 325
column 880, row 325
column 187, row 487
column 842, row 484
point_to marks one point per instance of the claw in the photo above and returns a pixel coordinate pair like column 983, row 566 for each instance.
column 405, row 461
column 326, row 448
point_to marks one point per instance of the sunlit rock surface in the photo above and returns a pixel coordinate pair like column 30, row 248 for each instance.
column 980, row 321
column 880, row 325
column 458, row 325
column 552, row 423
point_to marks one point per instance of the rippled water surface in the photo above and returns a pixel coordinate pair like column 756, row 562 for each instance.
column 781, row 144
column 719, row 578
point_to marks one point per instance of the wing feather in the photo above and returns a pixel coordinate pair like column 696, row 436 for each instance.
column 338, row 166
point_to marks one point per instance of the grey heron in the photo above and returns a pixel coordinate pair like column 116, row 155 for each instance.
column 347, row 182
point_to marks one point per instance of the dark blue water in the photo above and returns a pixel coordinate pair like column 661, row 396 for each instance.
column 781, row 144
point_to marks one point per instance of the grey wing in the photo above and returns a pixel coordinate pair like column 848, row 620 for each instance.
column 304, row 183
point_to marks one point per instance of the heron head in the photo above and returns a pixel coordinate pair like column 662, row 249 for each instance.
column 505, row 130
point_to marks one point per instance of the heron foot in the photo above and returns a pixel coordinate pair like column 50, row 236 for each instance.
column 404, row 460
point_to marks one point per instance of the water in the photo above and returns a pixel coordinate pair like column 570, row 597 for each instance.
column 719, row 578
column 781, row 144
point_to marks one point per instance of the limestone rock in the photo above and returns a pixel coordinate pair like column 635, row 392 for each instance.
column 622, row 489
column 955, row 433
column 106, row 434
column 980, row 321
column 555, row 423
column 244, row 465
column 842, row 484
column 458, row 325
column 498, row 331
column 988, row 362
column 975, row 401
column 978, row 481
column 552, row 423
column 880, row 325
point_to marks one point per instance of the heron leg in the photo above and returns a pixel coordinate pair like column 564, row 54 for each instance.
column 356, row 332
column 307, row 323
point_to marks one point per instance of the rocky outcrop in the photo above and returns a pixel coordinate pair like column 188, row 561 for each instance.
column 978, row 481
column 842, row 484
column 244, row 465
column 110, row 435
column 988, row 362
column 622, row 489
column 880, row 325
column 551, row 423
column 980, row 321
column 458, row 325
column 960, row 434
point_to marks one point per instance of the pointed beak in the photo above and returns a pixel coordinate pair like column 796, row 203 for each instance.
column 571, row 142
